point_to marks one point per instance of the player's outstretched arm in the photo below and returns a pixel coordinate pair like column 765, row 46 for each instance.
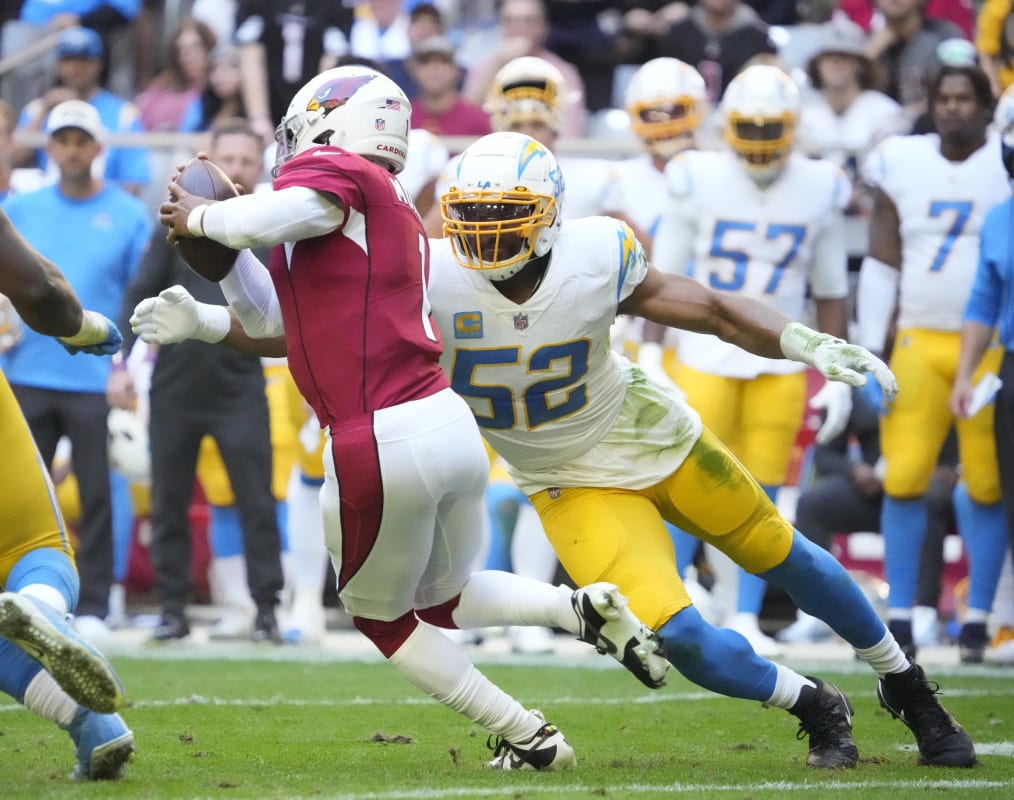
column 682, row 302
column 175, row 316
column 46, row 302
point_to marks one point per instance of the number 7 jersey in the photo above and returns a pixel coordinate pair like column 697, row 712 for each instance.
column 941, row 205
column 549, row 394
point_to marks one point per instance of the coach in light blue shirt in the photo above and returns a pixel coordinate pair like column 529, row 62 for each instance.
column 96, row 233
column 991, row 308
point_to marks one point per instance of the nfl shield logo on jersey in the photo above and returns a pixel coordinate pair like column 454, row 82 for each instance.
column 379, row 124
column 520, row 322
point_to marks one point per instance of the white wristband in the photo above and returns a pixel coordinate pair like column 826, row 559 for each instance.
column 93, row 330
column 798, row 342
column 195, row 221
column 213, row 323
column 876, row 297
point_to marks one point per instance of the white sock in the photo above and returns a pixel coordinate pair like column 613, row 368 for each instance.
column 439, row 667
column 45, row 698
column 48, row 595
column 491, row 597
column 229, row 582
column 885, row 657
column 1003, row 602
column 975, row 615
column 531, row 553
column 308, row 554
column 788, row 685
column 900, row 614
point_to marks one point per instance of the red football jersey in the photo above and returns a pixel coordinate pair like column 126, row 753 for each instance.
column 360, row 336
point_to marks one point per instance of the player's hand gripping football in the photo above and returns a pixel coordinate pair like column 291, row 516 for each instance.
column 175, row 316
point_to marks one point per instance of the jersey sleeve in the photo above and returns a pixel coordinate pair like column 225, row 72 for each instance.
column 632, row 263
column 327, row 170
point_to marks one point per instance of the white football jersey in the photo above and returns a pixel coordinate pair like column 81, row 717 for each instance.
column 549, row 394
column 643, row 192
column 769, row 243
column 591, row 185
column 940, row 206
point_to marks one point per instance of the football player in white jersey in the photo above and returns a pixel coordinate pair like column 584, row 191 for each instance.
column 667, row 102
column 524, row 303
column 762, row 221
column 931, row 194
column 530, row 95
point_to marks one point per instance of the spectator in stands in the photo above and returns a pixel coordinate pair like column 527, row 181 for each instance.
column 439, row 107
column 222, row 98
column 905, row 51
column 165, row 101
column 102, row 232
column 994, row 39
column 583, row 32
column 424, row 22
column 79, row 67
column 284, row 43
column 38, row 19
column 380, row 31
column 524, row 31
column 844, row 117
column 718, row 38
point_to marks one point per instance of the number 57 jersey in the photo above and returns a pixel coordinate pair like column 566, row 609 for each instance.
column 549, row 394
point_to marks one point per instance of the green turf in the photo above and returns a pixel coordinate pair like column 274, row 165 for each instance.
column 260, row 729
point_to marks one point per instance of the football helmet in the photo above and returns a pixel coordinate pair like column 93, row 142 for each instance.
column 12, row 329
column 504, row 204
column 355, row 108
column 760, row 110
column 666, row 99
column 129, row 452
column 527, row 89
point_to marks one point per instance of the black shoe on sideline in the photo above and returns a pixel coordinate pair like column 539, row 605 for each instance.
column 265, row 629
column 171, row 626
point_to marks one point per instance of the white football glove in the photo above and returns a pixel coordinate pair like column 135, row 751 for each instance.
column 836, row 359
column 175, row 316
column 836, row 401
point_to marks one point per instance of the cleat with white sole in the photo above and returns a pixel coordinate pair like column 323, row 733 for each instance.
column 79, row 669
column 548, row 750
column 609, row 626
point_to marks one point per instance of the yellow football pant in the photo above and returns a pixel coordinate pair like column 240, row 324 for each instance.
column 618, row 535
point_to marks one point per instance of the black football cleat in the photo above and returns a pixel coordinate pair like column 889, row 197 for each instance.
column 825, row 715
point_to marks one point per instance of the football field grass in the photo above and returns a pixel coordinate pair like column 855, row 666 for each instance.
column 290, row 729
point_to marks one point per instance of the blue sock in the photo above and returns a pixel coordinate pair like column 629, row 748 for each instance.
column 282, row 514
column 49, row 567
column 686, row 547
column 903, row 523
column 502, row 502
column 983, row 530
column 225, row 534
column 820, row 586
column 17, row 669
column 716, row 658
column 123, row 524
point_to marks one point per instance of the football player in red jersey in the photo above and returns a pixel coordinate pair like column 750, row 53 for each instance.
column 405, row 468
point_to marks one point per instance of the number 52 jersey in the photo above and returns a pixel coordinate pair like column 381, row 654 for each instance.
column 549, row 394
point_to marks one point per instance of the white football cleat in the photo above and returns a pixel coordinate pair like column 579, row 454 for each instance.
column 608, row 625
column 547, row 750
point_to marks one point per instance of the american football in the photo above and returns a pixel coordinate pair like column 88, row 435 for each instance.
column 207, row 258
